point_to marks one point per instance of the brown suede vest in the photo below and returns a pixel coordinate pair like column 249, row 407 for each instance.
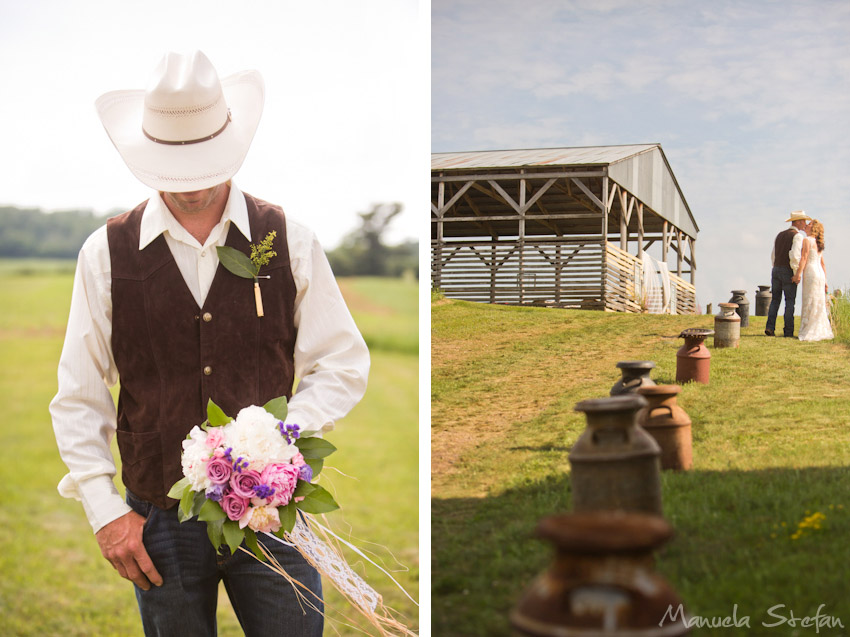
column 782, row 246
column 172, row 356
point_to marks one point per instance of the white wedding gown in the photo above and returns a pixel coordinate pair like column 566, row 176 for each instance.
column 814, row 320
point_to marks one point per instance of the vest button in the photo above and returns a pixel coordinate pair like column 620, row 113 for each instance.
column 207, row 370
column 207, row 317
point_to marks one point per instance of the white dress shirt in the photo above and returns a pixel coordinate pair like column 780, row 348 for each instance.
column 331, row 358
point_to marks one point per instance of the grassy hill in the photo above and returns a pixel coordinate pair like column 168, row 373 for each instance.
column 771, row 436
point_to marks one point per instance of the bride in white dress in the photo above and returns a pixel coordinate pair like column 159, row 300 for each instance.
column 814, row 319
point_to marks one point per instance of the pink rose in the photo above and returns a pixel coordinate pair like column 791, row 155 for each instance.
column 234, row 506
column 243, row 483
column 282, row 478
column 219, row 470
column 298, row 460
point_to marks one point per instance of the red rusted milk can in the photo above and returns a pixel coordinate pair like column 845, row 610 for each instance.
column 727, row 326
column 668, row 424
column 693, row 360
column 615, row 463
column 635, row 375
column 602, row 580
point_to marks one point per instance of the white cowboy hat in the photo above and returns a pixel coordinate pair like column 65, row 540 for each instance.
column 188, row 130
column 799, row 215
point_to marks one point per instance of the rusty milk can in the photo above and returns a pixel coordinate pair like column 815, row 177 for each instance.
column 668, row 424
column 693, row 360
column 743, row 309
column 615, row 463
column 635, row 375
column 727, row 326
column 763, row 299
column 602, row 580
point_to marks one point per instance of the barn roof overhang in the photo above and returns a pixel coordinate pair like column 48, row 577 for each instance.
column 558, row 190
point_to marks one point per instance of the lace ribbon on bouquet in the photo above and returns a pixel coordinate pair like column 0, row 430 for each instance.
column 329, row 562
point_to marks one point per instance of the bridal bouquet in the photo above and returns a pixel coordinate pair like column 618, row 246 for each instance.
column 250, row 474
column 255, row 474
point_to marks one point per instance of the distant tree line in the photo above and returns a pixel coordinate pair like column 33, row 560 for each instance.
column 31, row 232
column 34, row 233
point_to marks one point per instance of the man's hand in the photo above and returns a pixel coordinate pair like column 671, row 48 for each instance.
column 795, row 279
column 121, row 543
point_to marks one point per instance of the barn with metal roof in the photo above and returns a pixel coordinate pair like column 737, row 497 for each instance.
column 567, row 227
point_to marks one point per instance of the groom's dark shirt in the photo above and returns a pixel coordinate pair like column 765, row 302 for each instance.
column 782, row 246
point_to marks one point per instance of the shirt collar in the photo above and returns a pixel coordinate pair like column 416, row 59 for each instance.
column 157, row 219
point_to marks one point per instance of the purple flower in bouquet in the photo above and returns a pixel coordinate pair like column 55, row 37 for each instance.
column 234, row 506
column 289, row 432
column 263, row 491
column 243, row 483
column 305, row 472
column 216, row 492
column 282, row 477
column 219, row 470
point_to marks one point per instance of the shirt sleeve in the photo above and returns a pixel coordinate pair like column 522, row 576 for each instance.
column 331, row 357
column 83, row 411
column 796, row 251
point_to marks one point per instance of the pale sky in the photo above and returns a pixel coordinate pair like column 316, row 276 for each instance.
column 345, row 122
column 749, row 100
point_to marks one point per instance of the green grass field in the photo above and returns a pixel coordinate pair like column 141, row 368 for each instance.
column 54, row 581
column 771, row 436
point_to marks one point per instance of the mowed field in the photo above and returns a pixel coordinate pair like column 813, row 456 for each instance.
column 762, row 521
column 53, row 580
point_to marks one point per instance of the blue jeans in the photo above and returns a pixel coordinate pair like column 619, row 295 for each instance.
column 781, row 285
column 185, row 604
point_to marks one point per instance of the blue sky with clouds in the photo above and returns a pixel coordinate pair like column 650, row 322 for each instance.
column 749, row 100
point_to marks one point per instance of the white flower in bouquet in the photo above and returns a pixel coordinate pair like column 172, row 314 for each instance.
column 194, row 459
column 255, row 435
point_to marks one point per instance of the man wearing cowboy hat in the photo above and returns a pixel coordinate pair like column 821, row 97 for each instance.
column 152, row 308
column 787, row 248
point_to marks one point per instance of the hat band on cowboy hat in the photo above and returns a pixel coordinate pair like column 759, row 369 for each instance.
column 188, row 130
column 799, row 215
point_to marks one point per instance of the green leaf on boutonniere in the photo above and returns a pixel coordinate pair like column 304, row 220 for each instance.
column 314, row 447
column 216, row 416
column 237, row 263
column 319, row 500
column 233, row 535
column 277, row 408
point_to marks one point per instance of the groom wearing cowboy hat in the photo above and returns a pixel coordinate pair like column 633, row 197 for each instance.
column 152, row 308
column 787, row 248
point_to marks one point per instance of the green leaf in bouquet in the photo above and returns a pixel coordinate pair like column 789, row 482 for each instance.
column 187, row 502
column 314, row 447
column 210, row 512
column 303, row 489
column 216, row 416
column 233, row 535
column 316, row 464
column 277, row 408
column 319, row 500
column 237, row 262
column 178, row 490
column 287, row 519
column 214, row 532
column 251, row 543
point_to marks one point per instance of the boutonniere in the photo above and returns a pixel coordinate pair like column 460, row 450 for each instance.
column 247, row 267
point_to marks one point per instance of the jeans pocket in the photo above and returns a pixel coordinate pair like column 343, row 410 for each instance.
column 143, row 508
